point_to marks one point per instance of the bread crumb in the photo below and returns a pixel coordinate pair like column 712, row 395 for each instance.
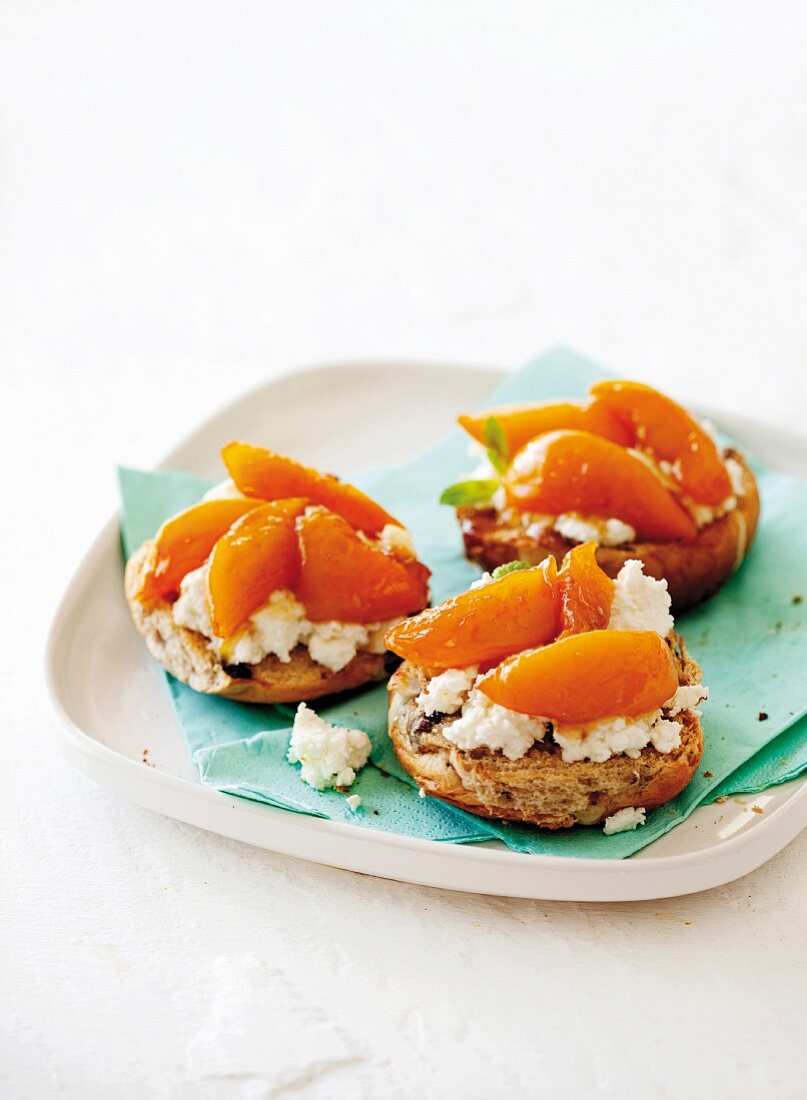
column 708, row 775
column 797, row 599
column 757, row 810
column 354, row 801
column 721, row 798
column 762, row 716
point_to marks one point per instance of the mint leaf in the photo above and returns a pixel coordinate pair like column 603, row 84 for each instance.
column 469, row 492
column 509, row 567
column 496, row 443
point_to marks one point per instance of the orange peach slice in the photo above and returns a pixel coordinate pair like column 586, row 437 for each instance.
column 344, row 578
column 569, row 471
column 659, row 425
column 184, row 542
column 485, row 624
column 258, row 555
column 586, row 592
column 585, row 677
column 271, row 476
column 521, row 423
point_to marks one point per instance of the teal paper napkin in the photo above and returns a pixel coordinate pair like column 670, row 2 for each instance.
column 749, row 640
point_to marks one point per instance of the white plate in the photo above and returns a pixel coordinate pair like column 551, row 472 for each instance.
column 112, row 704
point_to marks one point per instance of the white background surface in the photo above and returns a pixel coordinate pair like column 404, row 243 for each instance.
column 197, row 195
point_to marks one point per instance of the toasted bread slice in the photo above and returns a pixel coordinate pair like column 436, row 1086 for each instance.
column 693, row 570
column 187, row 656
column 539, row 788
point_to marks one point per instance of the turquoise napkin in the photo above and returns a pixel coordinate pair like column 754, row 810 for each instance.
column 749, row 640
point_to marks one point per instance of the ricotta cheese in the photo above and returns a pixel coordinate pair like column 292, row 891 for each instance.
column 624, row 820
column 704, row 514
column 485, row 579
column 484, row 724
column 394, row 539
column 277, row 628
column 687, row 697
column 446, row 693
column 737, row 475
column 605, row 532
column 599, row 741
column 535, row 527
column 353, row 801
column 330, row 755
column 640, row 602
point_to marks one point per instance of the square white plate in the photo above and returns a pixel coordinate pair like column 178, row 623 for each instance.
column 111, row 701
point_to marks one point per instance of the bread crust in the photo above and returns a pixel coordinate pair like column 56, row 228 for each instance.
column 694, row 570
column 539, row 788
column 187, row 656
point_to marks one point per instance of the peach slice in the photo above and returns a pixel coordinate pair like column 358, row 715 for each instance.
column 585, row 677
column 271, row 476
column 485, row 624
column 586, row 592
column 521, row 423
column 344, row 578
column 659, row 425
column 258, row 555
column 184, row 542
column 569, row 471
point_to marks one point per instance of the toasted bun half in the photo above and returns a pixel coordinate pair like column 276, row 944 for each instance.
column 694, row 570
column 539, row 788
column 187, row 656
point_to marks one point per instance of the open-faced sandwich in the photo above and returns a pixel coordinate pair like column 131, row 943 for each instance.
column 628, row 469
column 279, row 586
column 550, row 696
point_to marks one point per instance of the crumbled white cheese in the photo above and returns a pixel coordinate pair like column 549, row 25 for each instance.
column 353, row 801
column 225, row 490
column 624, row 820
column 330, row 755
column 704, row 514
column 737, row 475
column 190, row 608
column 484, row 723
column 686, row 697
column 483, row 581
column 446, row 693
column 277, row 628
column 606, row 532
column 334, row 644
column 394, row 539
column 640, row 602
column 599, row 741
column 535, row 527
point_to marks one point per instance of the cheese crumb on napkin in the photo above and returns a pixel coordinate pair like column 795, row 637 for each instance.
column 624, row 820
column 330, row 755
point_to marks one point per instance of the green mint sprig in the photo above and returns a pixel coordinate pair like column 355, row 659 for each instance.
column 509, row 567
column 469, row 492
column 496, row 443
